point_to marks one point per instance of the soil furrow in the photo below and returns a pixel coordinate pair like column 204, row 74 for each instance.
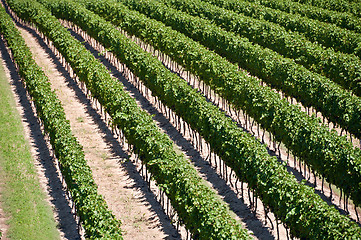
column 212, row 176
column 125, row 193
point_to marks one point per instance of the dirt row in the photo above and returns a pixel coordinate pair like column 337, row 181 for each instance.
column 120, row 184
column 207, row 172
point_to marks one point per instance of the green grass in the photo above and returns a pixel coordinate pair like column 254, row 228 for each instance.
column 30, row 216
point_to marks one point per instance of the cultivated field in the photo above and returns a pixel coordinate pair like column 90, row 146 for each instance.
column 180, row 119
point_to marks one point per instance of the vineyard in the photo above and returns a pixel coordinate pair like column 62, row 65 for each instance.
column 241, row 118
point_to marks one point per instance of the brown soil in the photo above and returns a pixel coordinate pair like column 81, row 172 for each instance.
column 124, row 192
column 210, row 175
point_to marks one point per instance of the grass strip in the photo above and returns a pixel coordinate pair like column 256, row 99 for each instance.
column 23, row 200
column 97, row 219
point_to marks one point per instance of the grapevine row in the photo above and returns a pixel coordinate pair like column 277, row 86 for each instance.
column 202, row 212
column 328, row 35
column 336, row 104
column 97, row 219
column 294, row 128
column 288, row 199
column 341, row 19
column 336, row 5
column 344, row 69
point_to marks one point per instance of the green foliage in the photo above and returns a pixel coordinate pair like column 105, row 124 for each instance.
column 97, row 219
column 328, row 35
column 350, row 6
column 344, row 69
column 23, row 201
column 198, row 206
column 295, row 204
column 336, row 104
column 330, row 155
column 341, row 19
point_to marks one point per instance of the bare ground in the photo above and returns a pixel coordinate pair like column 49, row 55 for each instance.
column 227, row 193
column 120, row 184
column 241, row 210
